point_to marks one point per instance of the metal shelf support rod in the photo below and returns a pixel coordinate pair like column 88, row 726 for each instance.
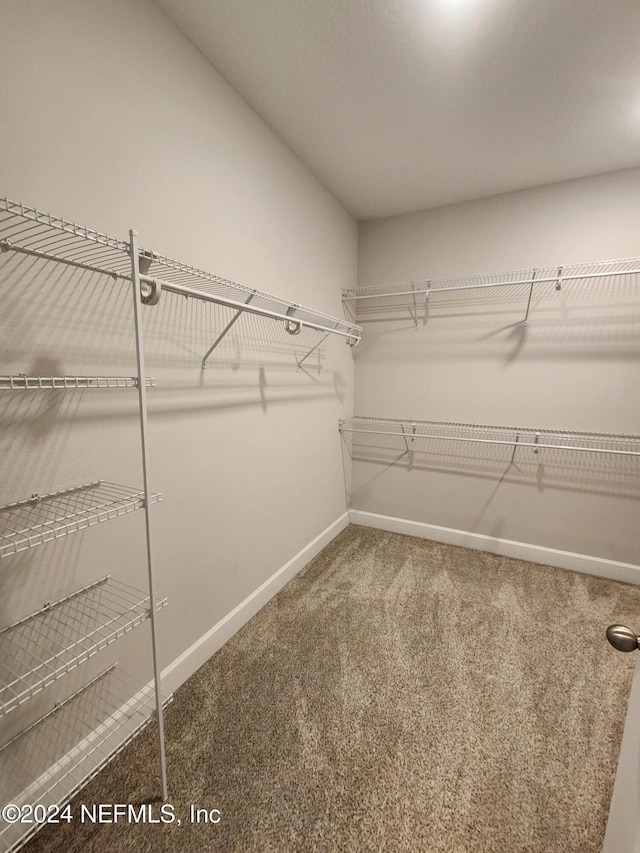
column 533, row 444
column 313, row 349
column 142, row 399
column 526, row 316
column 251, row 309
column 8, row 246
column 231, row 322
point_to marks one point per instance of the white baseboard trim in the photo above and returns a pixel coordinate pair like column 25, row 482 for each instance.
column 599, row 566
column 199, row 653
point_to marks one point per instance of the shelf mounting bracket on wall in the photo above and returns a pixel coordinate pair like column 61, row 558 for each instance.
column 515, row 447
column 312, row 350
column 533, row 281
column 559, row 281
column 415, row 306
column 229, row 325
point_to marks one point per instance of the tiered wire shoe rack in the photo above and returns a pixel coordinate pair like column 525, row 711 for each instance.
column 68, row 746
column 46, row 645
column 80, row 734
column 414, row 298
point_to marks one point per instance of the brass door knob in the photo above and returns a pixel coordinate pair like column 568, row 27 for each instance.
column 622, row 638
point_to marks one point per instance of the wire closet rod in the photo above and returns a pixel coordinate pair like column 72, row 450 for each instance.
column 347, row 426
column 351, row 334
column 9, row 246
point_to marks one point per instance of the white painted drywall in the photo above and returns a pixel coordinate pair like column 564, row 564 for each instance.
column 110, row 117
column 574, row 366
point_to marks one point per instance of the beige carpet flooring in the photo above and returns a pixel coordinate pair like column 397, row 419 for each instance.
column 398, row 694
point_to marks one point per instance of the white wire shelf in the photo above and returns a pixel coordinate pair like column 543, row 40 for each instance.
column 46, row 645
column 43, row 518
column 33, row 232
column 408, row 432
column 188, row 280
column 69, row 745
column 414, row 296
column 22, row 382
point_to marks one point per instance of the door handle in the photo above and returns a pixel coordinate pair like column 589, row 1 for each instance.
column 622, row 638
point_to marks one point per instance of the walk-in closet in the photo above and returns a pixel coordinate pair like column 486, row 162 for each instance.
column 320, row 371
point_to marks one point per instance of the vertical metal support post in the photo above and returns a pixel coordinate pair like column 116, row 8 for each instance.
column 142, row 401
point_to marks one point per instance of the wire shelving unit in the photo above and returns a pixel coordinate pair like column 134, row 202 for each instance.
column 47, row 644
column 409, row 433
column 22, row 382
column 43, row 518
column 69, row 745
column 415, row 297
column 52, row 642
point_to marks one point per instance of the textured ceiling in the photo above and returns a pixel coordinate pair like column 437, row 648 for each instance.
column 408, row 104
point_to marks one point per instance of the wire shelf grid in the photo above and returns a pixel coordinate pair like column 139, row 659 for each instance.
column 34, row 232
column 22, row 382
column 46, row 645
column 69, row 745
column 411, row 295
column 43, row 518
column 409, row 431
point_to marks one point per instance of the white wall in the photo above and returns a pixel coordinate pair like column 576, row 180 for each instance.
column 574, row 366
column 113, row 119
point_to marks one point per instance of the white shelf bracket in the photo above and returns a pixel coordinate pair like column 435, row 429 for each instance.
column 229, row 325
column 312, row 350
column 415, row 305
column 515, row 447
column 533, row 280
column 150, row 291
